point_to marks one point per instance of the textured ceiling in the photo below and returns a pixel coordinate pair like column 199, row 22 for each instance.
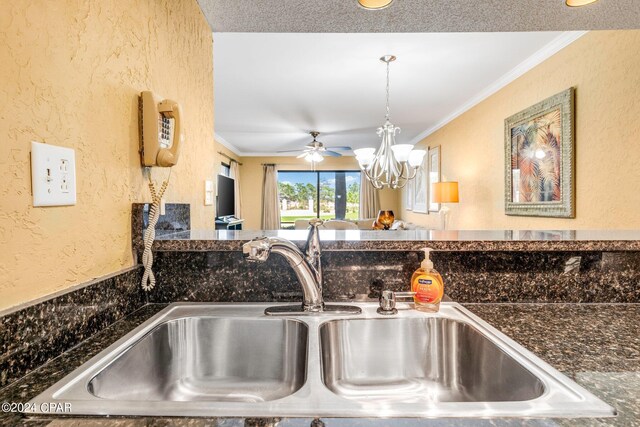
column 272, row 89
column 345, row 16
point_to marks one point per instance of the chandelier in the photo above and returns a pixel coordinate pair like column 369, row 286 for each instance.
column 393, row 165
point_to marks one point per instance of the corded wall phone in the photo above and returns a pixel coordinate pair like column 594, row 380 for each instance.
column 160, row 139
column 160, row 132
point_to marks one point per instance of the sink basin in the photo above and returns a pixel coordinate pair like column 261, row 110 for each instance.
column 420, row 359
column 210, row 359
column 231, row 360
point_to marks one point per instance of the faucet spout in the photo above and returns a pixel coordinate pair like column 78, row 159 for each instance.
column 307, row 267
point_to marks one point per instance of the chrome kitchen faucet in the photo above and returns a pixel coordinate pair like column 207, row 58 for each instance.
column 307, row 267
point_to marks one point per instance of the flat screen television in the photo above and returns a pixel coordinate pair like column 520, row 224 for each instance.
column 226, row 196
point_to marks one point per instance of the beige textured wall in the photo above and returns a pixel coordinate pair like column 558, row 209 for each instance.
column 70, row 75
column 604, row 69
column 251, row 183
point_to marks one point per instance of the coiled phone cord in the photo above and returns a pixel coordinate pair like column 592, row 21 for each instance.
column 148, row 278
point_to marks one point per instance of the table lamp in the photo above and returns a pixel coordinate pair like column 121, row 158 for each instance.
column 445, row 192
column 385, row 219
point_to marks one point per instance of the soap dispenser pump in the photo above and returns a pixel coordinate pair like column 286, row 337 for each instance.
column 427, row 284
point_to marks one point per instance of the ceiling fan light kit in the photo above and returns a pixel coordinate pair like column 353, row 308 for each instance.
column 393, row 165
column 315, row 151
column 313, row 157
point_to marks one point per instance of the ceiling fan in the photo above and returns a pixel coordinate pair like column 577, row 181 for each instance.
column 315, row 150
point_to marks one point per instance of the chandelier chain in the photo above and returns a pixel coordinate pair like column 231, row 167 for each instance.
column 388, row 109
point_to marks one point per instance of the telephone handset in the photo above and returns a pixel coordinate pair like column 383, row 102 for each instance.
column 160, row 133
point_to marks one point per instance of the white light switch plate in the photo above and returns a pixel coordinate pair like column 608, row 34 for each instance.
column 208, row 193
column 53, row 175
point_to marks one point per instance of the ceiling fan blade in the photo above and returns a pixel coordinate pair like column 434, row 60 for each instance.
column 343, row 148
column 301, row 155
column 331, row 153
column 288, row 151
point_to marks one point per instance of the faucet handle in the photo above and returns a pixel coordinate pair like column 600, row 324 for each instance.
column 312, row 248
column 257, row 249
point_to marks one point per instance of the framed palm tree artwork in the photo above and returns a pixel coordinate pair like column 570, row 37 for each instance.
column 539, row 159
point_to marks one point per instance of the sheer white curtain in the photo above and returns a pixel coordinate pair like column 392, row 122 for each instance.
column 270, row 200
column 234, row 168
column 369, row 200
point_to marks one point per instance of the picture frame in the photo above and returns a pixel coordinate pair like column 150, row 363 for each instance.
column 420, row 188
column 408, row 194
column 434, row 175
column 540, row 159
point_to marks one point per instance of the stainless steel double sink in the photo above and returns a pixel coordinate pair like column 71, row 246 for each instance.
column 194, row 359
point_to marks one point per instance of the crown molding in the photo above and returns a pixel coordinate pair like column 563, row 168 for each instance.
column 219, row 139
column 551, row 48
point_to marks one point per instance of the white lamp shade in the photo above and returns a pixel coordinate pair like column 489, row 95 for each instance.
column 364, row 155
column 415, row 157
column 401, row 151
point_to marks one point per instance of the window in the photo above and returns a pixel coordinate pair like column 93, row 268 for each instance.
column 225, row 169
column 322, row 194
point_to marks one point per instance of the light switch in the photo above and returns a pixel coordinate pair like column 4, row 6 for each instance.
column 208, row 193
column 53, row 175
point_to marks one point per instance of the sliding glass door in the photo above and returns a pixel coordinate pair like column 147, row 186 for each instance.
column 324, row 194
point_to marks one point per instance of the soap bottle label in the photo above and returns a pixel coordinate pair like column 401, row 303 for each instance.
column 428, row 289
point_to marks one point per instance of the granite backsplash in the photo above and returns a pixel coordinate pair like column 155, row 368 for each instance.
column 482, row 275
column 174, row 218
column 570, row 277
column 32, row 335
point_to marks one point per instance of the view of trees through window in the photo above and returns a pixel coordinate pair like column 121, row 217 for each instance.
column 322, row 194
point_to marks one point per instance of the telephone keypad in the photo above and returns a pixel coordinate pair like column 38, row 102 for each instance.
column 164, row 134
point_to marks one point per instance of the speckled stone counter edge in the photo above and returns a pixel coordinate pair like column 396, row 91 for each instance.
column 177, row 237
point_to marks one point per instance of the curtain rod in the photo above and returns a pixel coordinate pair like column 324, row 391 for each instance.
column 309, row 165
column 229, row 157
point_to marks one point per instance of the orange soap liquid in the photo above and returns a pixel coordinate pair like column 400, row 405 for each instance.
column 429, row 289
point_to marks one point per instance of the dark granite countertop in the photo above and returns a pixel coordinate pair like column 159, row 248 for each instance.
column 409, row 240
column 597, row 345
